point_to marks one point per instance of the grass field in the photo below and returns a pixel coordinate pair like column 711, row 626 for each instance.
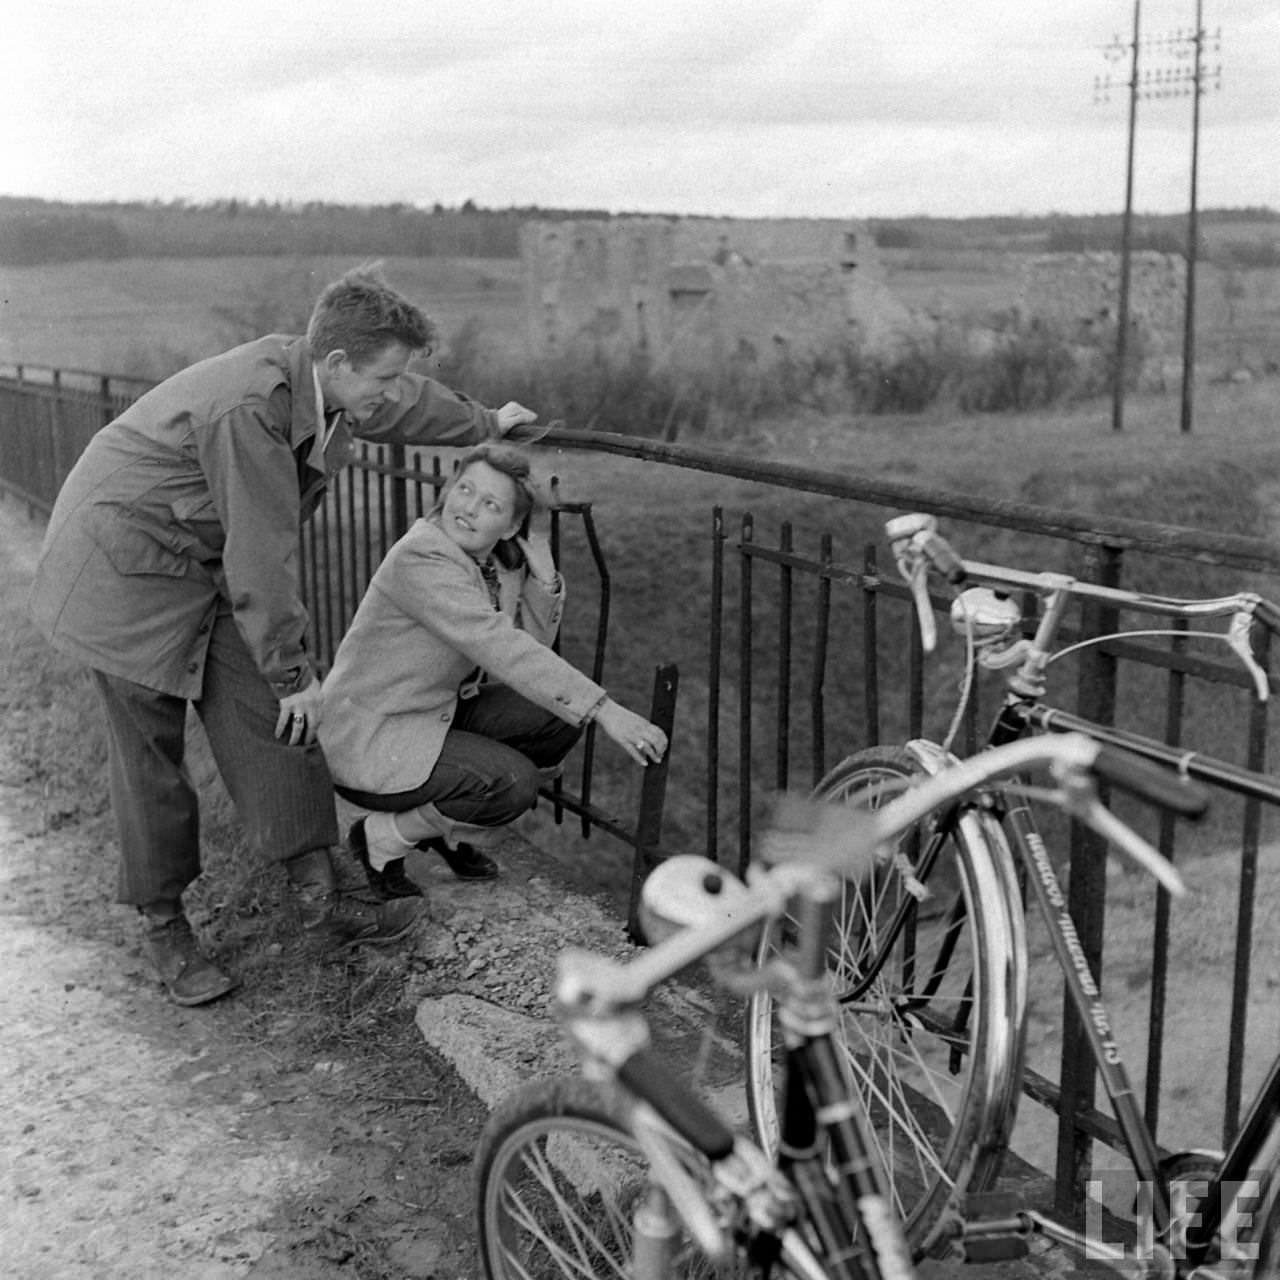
column 147, row 317
column 655, row 523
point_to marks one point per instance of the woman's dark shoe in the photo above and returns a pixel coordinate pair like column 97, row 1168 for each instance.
column 391, row 881
column 466, row 861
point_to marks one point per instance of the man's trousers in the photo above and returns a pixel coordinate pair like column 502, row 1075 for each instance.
column 283, row 794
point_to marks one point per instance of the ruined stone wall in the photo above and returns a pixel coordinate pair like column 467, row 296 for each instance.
column 600, row 280
column 699, row 288
column 1082, row 291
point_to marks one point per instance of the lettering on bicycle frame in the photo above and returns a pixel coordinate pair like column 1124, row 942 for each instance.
column 1071, row 942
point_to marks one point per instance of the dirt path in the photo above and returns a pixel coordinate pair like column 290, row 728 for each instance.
column 142, row 1140
column 110, row 1101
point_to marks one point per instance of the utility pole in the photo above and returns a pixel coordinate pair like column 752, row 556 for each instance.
column 1114, row 51
column 1193, row 232
column 1166, row 82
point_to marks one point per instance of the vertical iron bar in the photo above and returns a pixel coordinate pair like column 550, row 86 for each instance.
column 324, row 561
column 653, row 791
column 367, row 517
column 340, row 556
column 870, row 646
column 399, row 493
column 602, row 636
column 915, row 677
column 1257, row 760
column 744, row 697
column 1086, row 899
column 817, row 700
column 1175, row 705
column 714, row 674
column 783, row 744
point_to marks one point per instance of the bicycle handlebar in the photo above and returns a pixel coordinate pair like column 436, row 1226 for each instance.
column 847, row 843
column 918, row 546
column 649, row 1078
column 1151, row 782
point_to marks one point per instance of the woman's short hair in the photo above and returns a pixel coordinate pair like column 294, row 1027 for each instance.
column 516, row 465
column 361, row 314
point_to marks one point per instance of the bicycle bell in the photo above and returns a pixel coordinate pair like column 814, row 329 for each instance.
column 688, row 891
column 985, row 614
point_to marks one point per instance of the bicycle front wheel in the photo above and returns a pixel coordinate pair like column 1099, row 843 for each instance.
column 929, row 965
column 559, row 1179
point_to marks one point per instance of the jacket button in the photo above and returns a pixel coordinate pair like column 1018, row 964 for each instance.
column 193, row 667
column 446, row 717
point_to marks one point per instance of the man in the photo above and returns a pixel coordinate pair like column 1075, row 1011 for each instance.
column 171, row 569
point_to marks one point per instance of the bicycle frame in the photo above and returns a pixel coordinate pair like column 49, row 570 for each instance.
column 845, row 1204
column 1256, row 1145
column 600, row 1002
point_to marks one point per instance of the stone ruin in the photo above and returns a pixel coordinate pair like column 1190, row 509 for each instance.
column 702, row 290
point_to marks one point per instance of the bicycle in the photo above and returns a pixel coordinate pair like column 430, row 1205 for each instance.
column 626, row 1171
column 930, row 960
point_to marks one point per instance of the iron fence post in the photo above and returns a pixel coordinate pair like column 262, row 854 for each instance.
column 653, row 795
column 1086, row 899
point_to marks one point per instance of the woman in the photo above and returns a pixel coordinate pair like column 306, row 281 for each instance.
column 445, row 703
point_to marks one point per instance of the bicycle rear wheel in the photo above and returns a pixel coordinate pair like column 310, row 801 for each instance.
column 932, row 995
column 559, row 1176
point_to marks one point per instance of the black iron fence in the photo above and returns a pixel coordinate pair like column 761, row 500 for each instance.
column 811, row 651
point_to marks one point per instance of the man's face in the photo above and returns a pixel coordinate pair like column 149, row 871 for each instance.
column 362, row 390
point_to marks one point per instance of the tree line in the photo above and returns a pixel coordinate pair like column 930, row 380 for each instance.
column 43, row 231
column 39, row 231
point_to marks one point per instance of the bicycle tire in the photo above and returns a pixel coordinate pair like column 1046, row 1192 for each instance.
column 558, row 1176
column 939, row 1076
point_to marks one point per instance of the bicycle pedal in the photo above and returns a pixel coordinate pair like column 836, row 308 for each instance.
column 994, row 1228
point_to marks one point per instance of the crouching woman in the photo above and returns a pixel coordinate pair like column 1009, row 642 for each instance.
column 445, row 703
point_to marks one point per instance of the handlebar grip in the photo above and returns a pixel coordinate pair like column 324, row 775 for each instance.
column 1151, row 782
column 648, row 1077
column 943, row 558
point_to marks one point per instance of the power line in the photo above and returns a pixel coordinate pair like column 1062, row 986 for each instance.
column 1183, row 75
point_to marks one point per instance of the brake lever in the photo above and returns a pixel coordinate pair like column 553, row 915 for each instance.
column 915, row 569
column 1238, row 637
column 1080, row 800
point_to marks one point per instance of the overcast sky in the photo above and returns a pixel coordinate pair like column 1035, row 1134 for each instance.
column 858, row 108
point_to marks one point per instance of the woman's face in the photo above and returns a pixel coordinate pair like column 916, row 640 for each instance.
column 480, row 509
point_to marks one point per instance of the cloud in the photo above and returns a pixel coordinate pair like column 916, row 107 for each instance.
column 771, row 106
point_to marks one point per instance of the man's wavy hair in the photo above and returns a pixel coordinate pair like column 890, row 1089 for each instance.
column 361, row 314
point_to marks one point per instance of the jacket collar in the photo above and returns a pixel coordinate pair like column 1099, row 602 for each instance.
column 304, row 425
column 306, row 429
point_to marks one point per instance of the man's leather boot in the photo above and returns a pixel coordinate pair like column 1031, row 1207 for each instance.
column 341, row 919
column 188, row 976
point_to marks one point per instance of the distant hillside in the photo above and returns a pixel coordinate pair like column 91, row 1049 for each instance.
column 42, row 231
column 1247, row 237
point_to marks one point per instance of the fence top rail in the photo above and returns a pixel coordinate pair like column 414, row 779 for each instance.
column 48, row 375
column 1234, row 551
column 1231, row 550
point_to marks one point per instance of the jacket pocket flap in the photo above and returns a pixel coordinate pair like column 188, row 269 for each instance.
column 130, row 548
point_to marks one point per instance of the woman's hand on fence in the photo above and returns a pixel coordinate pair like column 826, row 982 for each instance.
column 644, row 742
